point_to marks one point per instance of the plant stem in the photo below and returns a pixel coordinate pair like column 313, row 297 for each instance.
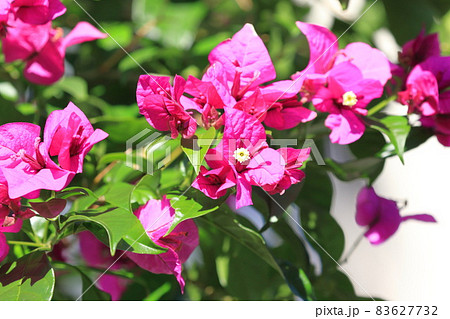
column 105, row 171
column 44, row 235
column 353, row 248
column 381, row 105
column 25, row 243
column 32, row 236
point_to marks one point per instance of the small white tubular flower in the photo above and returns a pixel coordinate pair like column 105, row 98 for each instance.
column 349, row 98
column 241, row 155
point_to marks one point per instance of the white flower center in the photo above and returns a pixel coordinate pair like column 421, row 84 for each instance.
column 241, row 155
column 349, row 98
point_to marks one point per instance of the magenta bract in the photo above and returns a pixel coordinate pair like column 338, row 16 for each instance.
column 157, row 217
column 381, row 216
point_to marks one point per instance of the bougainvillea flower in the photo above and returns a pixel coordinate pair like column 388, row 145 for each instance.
column 216, row 75
column 157, row 217
column 325, row 54
column 419, row 49
column 44, row 48
column 11, row 218
column 5, row 7
column 345, row 96
column 286, row 114
column 96, row 254
column 24, row 40
column 245, row 62
column 323, row 48
column 381, row 216
column 283, row 109
column 245, row 152
column 25, row 165
column 205, row 100
column 426, row 87
column 4, row 12
column 69, row 135
column 214, row 183
column 294, row 159
column 372, row 63
column 160, row 103
column 254, row 105
column 38, row 11
column 440, row 124
column 421, row 92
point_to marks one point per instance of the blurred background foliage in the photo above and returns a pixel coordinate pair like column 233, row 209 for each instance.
column 175, row 37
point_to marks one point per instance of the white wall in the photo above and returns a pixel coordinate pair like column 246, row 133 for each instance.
column 414, row 263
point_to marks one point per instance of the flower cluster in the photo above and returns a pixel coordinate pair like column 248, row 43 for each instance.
column 425, row 76
column 234, row 80
column 27, row 35
column 341, row 82
column 233, row 94
column 237, row 94
column 26, row 164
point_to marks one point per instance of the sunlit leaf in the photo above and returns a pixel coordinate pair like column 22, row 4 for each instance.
column 30, row 278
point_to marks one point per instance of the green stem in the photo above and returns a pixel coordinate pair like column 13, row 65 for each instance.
column 353, row 248
column 381, row 105
column 32, row 236
column 44, row 235
column 55, row 237
column 25, row 243
column 62, row 265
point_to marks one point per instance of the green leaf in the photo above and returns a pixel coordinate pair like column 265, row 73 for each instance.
column 74, row 86
column 30, row 278
column 315, row 205
column 369, row 167
column 196, row 147
column 417, row 137
column 191, row 204
column 123, row 230
column 205, row 45
column 334, row 285
column 159, row 292
column 225, row 221
column 179, row 35
column 146, row 189
column 140, row 56
column 122, row 129
column 119, row 32
column 397, row 129
column 244, row 276
column 368, row 145
column 298, row 281
column 10, row 114
column 117, row 194
column 111, row 157
column 75, row 191
column 8, row 91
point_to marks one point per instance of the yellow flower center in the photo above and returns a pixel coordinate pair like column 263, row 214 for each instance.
column 349, row 98
column 241, row 155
